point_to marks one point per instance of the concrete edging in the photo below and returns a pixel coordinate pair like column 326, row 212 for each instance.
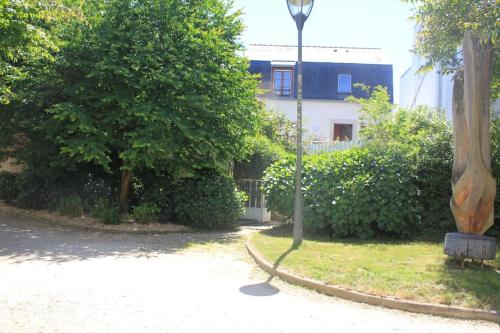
column 388, row 302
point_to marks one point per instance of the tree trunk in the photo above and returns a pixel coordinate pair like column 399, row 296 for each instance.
column 124, row 190
column 460, row 137
column 472, row 183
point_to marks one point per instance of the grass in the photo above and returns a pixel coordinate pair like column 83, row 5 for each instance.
column 413, row 270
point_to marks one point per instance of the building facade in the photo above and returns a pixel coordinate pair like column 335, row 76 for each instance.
column 329, row 77
column 430, row 88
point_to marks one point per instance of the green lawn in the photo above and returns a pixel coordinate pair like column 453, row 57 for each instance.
column 412, row 270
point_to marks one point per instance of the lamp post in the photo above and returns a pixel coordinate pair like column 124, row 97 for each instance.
column 300, row 10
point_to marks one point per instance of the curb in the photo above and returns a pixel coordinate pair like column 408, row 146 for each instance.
column 356, row 296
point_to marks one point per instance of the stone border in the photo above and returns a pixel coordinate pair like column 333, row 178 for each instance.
column 388, row 302
column 91, row 224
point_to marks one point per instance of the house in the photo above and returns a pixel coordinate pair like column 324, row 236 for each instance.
column 329, row 75
column 431, row 88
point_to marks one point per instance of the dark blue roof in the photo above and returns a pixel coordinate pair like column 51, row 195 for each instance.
column 321, row 79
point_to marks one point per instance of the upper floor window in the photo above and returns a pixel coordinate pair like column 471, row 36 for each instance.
column 345, row 84
column 282, row 81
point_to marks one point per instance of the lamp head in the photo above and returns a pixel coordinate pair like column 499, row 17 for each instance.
column 300, row 10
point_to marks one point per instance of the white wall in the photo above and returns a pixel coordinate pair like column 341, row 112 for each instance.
column 430, row 89
column 319, row 115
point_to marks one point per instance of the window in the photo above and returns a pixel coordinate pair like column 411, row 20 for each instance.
column 344, row 83
column 342, row 132
column 282, row 81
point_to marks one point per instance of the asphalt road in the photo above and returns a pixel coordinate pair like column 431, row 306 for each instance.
column 58, row 279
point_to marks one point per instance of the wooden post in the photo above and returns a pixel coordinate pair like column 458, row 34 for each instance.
column 472, row 182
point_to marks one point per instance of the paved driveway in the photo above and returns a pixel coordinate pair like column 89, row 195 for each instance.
column 55, row 279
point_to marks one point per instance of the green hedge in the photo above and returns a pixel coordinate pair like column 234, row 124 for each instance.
column 495, row 166
column 8, row 187
column 355, row 193
column 210, row 202
column 146, row 213
column 106, row 211
column 156, row 188
column 401, row 188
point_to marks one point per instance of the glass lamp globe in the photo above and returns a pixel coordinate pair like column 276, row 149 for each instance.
column 300, row 9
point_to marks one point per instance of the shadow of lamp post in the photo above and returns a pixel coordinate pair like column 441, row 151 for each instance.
column 300, row 10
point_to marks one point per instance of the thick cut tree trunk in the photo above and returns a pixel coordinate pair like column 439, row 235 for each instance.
column 473, row 185
column 124, row 189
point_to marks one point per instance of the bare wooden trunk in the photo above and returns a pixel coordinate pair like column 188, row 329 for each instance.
column 124, row 190
column 472, row 183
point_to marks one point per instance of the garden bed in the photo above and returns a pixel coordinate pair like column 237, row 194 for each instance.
column 89, row 223
column 416, row 270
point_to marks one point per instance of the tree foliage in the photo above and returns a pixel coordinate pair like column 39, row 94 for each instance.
column 145, row 86
column 141, row 84
column 375, row 112
column 276, row 126
column 442, row 27
column 275, row 137
column 25, row 38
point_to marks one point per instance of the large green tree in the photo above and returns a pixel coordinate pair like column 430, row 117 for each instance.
column 142, row 83
column 461, row 36
column 25, row 37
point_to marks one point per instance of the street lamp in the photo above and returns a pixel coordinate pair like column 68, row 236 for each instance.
column 300, row 10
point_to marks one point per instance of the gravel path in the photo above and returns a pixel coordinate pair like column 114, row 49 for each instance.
column 55, row 279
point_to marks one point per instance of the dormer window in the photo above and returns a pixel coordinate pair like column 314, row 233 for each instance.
column 282, row 81
column 344, row 86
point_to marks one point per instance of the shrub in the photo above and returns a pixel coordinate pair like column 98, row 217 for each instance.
column 146, row 213
column 495, row 166
column 358, row 192
column 93, row 188
column 420, row 142
column 261, row 153
column 107, row 212
column 279, row 186
column 281, row 131
column 35, row 190
column 8, row 186
column 70, row 206
column 427, row 138
column 210, row 202
column 155, row 187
